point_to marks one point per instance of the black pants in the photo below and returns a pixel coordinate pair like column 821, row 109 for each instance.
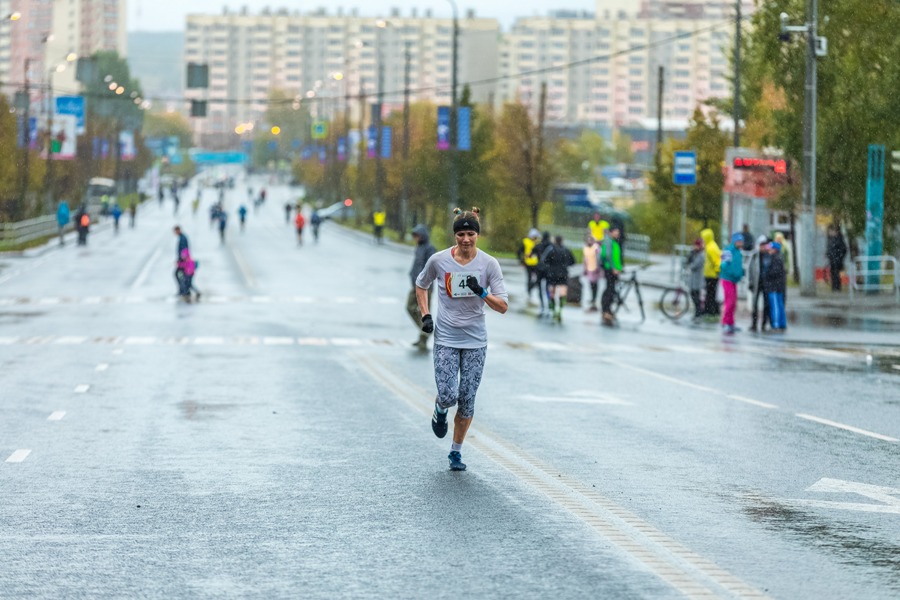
column 710, row 304
column 531, row 279
column 835, row 268
column 760, row 292
column 609, row 294
column 698, row 305
column 595, row 285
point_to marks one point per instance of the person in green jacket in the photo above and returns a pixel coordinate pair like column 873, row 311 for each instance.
column 611, row 259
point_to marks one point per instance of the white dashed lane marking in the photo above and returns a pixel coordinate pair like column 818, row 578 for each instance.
column 102, row 367
column 81, row 389
column 877, row 436
column 18, row 456
column 56, row 415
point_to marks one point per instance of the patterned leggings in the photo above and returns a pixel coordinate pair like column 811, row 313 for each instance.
column 457, row 374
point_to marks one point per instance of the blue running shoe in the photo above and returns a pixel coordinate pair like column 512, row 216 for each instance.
column 439, row 422
column 456, row 463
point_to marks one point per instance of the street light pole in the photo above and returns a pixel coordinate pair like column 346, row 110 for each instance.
column 737, row 75
column 808, row 217
column 454, row 175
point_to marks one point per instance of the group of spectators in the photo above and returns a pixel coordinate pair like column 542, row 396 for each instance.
column 547, row 260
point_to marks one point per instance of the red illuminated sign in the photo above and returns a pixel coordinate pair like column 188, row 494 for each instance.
column 778, row 165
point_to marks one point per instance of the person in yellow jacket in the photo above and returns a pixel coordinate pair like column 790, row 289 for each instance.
column 597, row 227
column 711, row 272
column 529, row 260
column 378, row 219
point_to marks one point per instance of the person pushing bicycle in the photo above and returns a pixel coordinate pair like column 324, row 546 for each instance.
column 611, row 259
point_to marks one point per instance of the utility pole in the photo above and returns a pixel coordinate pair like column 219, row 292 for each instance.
column 404, row 200
column 23, row 183
column 659, row 113
column 48, row 176
column 815, row 47
column 737, row 74
column 537, row 171
column 454, row 139
column 379, row 167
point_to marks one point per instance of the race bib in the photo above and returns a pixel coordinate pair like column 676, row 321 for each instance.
column 455, row 284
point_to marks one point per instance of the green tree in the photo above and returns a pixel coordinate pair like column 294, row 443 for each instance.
column 857, row 100
column 522, row 169
column 704, row 200
column 168, row 124
column 578, row 160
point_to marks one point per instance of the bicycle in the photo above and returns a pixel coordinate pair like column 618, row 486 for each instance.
column 675, row 302
column 623, row 290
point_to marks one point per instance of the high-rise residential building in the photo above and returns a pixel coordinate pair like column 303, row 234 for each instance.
column 251, row 55
column 603, row 70
column 47, row 32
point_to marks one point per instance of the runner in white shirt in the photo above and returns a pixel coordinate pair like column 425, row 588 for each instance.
column 467, row 280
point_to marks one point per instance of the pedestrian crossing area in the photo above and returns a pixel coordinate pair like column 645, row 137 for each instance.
column 574, row 349
column 13, row 301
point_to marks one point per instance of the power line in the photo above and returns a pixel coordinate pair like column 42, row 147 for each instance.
column 304, row 100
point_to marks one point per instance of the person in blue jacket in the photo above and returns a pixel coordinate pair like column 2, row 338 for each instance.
column 731, row 272
column 63, row 214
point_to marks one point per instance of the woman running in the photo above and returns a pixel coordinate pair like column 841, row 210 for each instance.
column 468, row 279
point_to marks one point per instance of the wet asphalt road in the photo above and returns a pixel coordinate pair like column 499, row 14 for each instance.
column 274, row 439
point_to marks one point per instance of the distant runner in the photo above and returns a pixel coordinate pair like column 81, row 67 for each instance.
column 468, row 279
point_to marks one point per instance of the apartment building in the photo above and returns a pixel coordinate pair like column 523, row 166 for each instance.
column 46, row 32
column 329, row 56
column 602, row 70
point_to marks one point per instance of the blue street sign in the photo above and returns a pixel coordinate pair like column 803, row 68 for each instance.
column 685, row 168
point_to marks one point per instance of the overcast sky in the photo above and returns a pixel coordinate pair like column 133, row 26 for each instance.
column 169, row 15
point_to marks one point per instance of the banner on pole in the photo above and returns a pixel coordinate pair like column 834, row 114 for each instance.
column 387, row 139
column 72, row 105
column 443, row 128
column 371, row 143
column 323, row 155
column 342, row 149
column 127, row 149
column 464, row 128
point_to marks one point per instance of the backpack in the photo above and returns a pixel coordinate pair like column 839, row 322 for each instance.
column 85, row 220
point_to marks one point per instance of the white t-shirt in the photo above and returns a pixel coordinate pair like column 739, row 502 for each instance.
column 460, row 316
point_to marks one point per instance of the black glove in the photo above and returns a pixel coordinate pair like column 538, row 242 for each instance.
column 427, row 324
column 473, row 285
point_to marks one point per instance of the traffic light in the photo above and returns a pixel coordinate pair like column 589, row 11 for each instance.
column 197, row 76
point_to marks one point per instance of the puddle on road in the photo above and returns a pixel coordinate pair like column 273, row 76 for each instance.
column 850, row 543
column 842, row 321
column 196, row 411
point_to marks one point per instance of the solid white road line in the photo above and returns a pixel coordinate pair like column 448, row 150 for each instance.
column 56, row 415
column 877, row 436
column 18, row 456
column 145, row 272
column 81, row 389
column 102, row 367
column 752, row 401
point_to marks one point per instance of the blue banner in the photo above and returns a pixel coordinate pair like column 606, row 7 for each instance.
column 323, row 155
column 464, row 128
column 295, row 144
column 443, row 128
column 104, row 148
column 387, row 139
column 21, row 131
column 306, row 153
column 342, row 149
column 72, row 105
column 371, row 143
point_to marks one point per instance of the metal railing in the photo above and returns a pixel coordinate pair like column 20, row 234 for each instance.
column 679, row 253
column 637, row 246
column 26, row 231
column 874, row 274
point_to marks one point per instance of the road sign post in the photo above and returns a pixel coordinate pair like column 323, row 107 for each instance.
column 684, row 173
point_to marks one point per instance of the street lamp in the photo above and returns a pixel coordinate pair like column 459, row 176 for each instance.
column 454, row 177
column 816, row 46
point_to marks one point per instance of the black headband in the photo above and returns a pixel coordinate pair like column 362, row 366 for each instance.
column 466, row 224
